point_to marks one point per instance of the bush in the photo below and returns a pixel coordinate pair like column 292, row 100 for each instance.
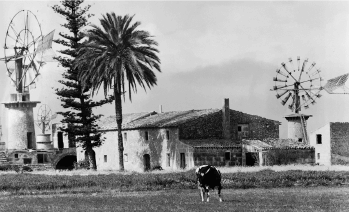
column 82, row 164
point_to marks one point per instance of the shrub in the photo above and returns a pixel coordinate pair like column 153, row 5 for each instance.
column 82, row 164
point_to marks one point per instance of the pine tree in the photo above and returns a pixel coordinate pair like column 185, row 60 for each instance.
column 80, row 122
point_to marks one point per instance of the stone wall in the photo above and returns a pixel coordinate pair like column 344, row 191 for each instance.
column 289, row 156
column 259, row 127
column 339, row 139
column 209, row 126
column 216, row 156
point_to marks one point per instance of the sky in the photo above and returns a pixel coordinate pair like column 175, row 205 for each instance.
column 213, row 50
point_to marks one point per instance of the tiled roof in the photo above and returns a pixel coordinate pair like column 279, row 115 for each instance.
column 151, row 120
column 109, row 123
column 286, row 143
column 211, row 143
column 257, row 144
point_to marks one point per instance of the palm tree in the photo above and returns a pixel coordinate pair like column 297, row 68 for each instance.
column 118, row 55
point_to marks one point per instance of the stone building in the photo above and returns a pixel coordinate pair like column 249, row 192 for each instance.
column 181, row 139
column 331, row 144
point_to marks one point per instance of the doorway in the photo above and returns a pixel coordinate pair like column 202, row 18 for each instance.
column 182, row 161
column 29, row 140
column 60, row 140
column 251, row 158
column 146, row 162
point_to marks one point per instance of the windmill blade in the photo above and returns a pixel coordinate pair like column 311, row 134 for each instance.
column 280, row 86
column 311, row 67
column 283, row 102
column 292, row 105
column 280, row 72
column 278, row 80
column 280, row 95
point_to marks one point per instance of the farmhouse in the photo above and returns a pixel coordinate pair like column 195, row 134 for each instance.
column 331, row 144
column 181, row 139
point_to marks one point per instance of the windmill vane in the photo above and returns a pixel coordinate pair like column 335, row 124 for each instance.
column 303, row 86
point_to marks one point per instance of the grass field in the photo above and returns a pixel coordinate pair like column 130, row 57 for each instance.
column 276, row 199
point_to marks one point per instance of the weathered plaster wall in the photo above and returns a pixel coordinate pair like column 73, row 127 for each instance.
column 20, row 122
column 136, row 146
column 55, row 131
column 323, row 149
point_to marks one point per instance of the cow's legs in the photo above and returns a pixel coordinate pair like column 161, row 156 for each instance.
column 208, row 193
column 219, row 192
column 202, row 193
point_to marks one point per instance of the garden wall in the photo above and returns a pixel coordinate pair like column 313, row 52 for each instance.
column 289, row 156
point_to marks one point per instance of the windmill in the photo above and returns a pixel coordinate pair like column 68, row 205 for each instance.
column 24, row 54
column 298, row 84
column 44, row 117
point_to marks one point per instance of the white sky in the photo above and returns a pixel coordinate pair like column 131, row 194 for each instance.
column 215, row 50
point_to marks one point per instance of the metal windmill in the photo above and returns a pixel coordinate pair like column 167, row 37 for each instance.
column 24, row 54
column 24, row 50
column 300, row 82
column 44, row 117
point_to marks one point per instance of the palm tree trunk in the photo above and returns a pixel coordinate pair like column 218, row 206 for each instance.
column 118, row 115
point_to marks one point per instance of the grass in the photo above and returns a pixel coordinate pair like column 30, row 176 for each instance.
column 86, row 182
column 278, row 199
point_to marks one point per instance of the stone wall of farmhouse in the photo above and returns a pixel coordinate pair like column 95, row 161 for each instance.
column 340, row 139
column 289, row 156
column 209, row 126
column 217, row 156
column 162, row 151
column 259, row 127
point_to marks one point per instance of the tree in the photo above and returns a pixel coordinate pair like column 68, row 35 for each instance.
column 80, row 121
column 118, row 55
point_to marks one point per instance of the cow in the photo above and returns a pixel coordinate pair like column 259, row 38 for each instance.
column 208, row 177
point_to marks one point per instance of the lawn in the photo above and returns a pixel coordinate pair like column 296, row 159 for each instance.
column 275, row 199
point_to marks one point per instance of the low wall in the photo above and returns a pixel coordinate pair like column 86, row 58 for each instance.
column 289, row 156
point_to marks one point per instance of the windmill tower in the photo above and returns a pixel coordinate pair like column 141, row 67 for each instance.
column 302, row 84
column 23, row 56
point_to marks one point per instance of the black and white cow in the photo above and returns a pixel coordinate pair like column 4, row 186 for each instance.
column 208, row 177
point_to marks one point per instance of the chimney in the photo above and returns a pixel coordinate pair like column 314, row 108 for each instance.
column 160, row 108
column 226, row 119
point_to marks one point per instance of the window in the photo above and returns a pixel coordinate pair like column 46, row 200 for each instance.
column 318, row 156
column 105, row 158
column 167, row 134
column 16, row 155
column 168, row 159
column 243, row 130
column 125, row 157
column 227, row 155
column 318, row 138
column 27, row 160
column 42, row 158
column 146, row 135
column 125, row 136
column 300, row 139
